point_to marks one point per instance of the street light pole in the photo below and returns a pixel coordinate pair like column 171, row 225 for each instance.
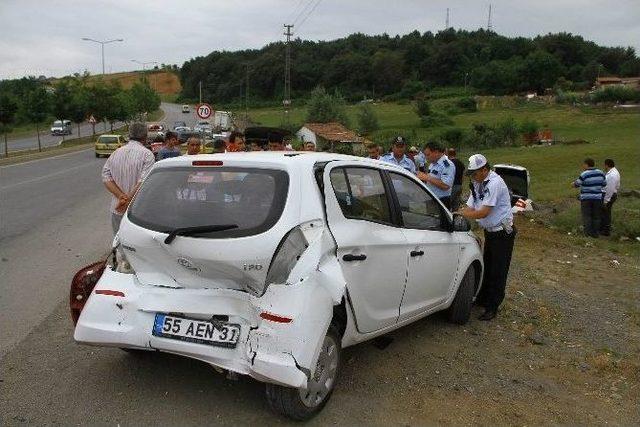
column 102, row 43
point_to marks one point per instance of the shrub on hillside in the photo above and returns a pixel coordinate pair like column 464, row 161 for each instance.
column 452, row 137
column 616, row 94
column 423, row 108
column 467, row 104
column 367, row 119
column 435, row 119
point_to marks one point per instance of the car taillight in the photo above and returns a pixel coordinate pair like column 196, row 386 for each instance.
column 288, row 253
column 82, row 285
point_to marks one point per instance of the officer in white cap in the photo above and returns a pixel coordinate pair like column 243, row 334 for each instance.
column 490, row 205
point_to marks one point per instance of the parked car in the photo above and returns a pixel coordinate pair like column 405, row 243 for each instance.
column 107, row 144
column 203, row 126
column 269, row 264
column 61, row 127
column 179, row 124
column 186, row 108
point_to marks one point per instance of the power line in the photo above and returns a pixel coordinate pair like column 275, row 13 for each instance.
column 308, row 14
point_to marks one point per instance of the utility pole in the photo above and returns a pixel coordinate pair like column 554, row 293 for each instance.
column 246, row 94
column 200, row 90
column 102, row 43
column 287, row 74
column 489, row 25
column 447, row 23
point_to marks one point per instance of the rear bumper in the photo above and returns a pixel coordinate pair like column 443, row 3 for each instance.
column 127, row 322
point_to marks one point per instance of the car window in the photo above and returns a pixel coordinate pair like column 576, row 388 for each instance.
column 361, row 194
column 180, row 197
column 108, row 139
column 418, row 208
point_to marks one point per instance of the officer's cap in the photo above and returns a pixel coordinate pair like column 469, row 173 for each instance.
column 477, row 161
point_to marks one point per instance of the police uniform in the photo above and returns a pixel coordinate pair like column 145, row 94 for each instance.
column 445, row 171
column 499, row 234
column 405, row 162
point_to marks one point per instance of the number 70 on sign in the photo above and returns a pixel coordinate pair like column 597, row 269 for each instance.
column 203, row 111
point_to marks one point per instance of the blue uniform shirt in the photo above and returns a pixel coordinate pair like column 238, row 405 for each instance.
column 492, row 192
column 445, row 171
column 405, row 162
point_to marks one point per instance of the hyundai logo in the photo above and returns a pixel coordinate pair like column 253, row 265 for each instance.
column 187, row 264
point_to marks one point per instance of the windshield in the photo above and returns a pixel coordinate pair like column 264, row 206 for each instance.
column 108, row 140
column 172, row 198
column 57, row 123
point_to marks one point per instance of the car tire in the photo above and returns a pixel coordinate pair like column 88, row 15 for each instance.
column 460, row 309
column 301, row 405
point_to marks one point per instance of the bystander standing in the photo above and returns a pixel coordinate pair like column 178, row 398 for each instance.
column 124, row 171
column 591, row 183
column 193, row 146
column 611, row 189
column 441, row 173
column 397, row 155
column 171, row 146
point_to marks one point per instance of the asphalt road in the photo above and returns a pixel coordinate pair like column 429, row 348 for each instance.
column 47, row 140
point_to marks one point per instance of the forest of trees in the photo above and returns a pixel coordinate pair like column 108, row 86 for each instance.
column 361, row 66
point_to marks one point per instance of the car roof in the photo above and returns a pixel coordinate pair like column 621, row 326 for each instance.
column 302, row 158
column 110, row 134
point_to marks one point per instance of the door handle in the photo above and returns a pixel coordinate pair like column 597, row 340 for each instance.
column 351, row 257
column 416, row 253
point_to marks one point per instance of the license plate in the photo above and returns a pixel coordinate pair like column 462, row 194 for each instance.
column 215, row 333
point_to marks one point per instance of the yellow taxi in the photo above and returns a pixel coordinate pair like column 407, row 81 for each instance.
column 107, row 144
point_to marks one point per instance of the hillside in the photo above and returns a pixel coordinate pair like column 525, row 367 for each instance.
column 164, row 82
column 403, row 66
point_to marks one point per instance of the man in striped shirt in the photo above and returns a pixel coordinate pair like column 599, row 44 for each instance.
column 124, row 170
column 591, row 183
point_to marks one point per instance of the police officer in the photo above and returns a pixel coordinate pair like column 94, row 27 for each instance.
column 441, row 173
column 397, row 156
column 490, row 205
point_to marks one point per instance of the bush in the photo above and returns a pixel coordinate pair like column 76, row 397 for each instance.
column 423, row 108
column 323, row 107
column 529, row 127
column 435, row 119
column 508, row 132
column 616, row 94
column 467, row 104
column 367, row 119
column 452, row 137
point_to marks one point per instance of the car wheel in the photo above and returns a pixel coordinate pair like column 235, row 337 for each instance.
column 303, row 404
column 460, row 309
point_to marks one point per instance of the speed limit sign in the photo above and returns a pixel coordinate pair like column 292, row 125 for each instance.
column 203, row 111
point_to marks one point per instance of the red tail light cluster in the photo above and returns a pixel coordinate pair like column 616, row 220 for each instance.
column 82, row 285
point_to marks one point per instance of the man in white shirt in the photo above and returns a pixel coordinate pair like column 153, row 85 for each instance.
column 610, row 195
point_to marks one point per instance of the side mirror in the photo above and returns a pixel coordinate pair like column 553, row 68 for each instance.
column 460, row 223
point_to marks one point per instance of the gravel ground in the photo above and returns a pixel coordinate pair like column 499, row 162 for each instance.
column 564, row 350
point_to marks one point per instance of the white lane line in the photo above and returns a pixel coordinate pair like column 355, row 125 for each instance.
column 40, row 178
column 46, row 158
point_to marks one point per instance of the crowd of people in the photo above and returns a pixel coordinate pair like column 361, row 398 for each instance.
column 489, row 202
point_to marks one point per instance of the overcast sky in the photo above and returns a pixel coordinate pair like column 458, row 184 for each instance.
column 44, row 37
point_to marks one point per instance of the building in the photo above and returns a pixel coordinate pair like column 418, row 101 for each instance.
column 630, row 82
column 327, row 136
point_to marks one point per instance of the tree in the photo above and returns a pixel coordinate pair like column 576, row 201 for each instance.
column 79, row 106
column 143, row 98
column 8, row 109
column 323, row 107
column 62, row 100
column 36, row 108
column 542, row 70
column 367, row 119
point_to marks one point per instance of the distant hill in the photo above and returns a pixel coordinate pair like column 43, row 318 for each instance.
column 404, row 66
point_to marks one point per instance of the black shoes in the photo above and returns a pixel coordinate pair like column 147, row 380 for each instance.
column 488, row 315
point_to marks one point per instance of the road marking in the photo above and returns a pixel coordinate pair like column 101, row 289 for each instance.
column 46, row 158
column 40, row 178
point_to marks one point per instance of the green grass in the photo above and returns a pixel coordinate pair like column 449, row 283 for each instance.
column 610, row 134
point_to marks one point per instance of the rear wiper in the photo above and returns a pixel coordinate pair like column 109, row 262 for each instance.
column 188, row 231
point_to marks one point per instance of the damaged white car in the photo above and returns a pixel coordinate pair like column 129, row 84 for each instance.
column 268, row 264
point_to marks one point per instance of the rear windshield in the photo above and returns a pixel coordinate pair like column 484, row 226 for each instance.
column 108, row 139
column 171, row 198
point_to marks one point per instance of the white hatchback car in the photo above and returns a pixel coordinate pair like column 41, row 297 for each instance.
column 267, row 264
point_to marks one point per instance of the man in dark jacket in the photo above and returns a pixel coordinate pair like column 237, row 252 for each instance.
column 457, row 181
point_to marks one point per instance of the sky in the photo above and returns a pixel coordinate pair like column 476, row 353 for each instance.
column 45, row 37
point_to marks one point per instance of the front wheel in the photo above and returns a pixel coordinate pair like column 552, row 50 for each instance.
column 303, row 404
column 460, row 309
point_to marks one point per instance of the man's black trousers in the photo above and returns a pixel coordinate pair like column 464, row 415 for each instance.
column 498, row 247
column 591, row 216
column 605, row 226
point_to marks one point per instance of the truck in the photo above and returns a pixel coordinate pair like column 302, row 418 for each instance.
column 222, row 120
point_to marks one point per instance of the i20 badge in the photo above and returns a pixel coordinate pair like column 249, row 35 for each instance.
column 187, row 264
